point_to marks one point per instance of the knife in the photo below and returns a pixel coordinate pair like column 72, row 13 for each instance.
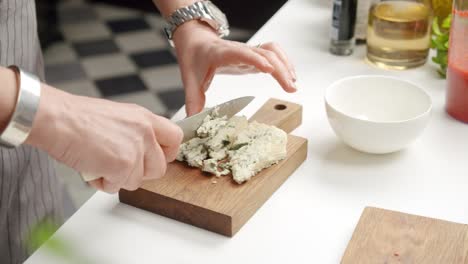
column 190, row 124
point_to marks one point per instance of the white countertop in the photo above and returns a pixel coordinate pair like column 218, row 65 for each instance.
column 311, row 217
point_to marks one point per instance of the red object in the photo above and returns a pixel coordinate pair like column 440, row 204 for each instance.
column 457, row 72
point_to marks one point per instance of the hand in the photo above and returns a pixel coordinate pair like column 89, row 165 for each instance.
column 124, row 144
column 201, row 53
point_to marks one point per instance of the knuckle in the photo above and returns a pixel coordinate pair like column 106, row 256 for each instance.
column 144, row 132
column 140, row 121
column 147, row 130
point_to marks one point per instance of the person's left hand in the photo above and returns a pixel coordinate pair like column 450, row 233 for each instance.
column 201, row 53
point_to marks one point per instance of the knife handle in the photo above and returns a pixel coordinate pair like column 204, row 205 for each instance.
column 89, row 177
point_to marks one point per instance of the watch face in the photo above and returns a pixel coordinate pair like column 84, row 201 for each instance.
column 216, row 13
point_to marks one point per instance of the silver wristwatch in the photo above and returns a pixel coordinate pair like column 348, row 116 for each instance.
column 27, row 103
column 205, row 11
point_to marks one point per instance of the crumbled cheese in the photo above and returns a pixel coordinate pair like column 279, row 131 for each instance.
column 213, row 166
column 234, row 146
column 210, row 126
column 193, row 151
column 225, row 135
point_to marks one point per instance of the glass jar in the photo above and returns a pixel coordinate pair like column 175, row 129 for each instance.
column 398, row 34
column 457, row 71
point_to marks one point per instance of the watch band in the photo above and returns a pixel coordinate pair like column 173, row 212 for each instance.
column 202, row 10
column 27, row 103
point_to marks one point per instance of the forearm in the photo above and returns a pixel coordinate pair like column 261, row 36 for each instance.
column 167, row 7
column 8, row 96
column 47, row 122
column 51, row 102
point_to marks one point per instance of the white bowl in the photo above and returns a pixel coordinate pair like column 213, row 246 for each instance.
column 377, row 114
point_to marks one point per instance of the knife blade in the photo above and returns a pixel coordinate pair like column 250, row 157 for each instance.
column 190, row 124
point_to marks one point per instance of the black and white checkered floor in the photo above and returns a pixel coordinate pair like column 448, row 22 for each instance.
column 116, row 53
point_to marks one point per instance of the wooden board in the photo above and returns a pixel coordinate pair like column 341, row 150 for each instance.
column 384, row 236
column 188, row 195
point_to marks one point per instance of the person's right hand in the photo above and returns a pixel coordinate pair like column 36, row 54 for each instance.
column 123, row 143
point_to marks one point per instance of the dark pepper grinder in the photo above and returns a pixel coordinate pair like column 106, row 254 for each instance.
column 342, row 30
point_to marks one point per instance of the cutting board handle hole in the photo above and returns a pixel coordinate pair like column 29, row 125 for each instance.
column 280, row 107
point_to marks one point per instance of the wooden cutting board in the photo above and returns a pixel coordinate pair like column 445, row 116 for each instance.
column 384, row 236
column 219, row 204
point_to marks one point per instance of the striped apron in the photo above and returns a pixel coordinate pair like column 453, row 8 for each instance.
column 30, row 192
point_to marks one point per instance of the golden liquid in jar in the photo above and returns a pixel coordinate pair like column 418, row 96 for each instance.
column 398, row 35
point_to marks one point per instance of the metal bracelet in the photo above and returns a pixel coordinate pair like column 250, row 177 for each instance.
column 201, row 10
column 27, row 103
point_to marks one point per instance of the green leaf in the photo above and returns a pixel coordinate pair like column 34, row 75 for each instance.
column 442, row 73
column 433, row 43
column 446, row 45
column 439, row 45
column 435, row 27
column 440, row 42
column 447, row 21
column 441, row 54
column 443, row 38
column 444, row 60
column 440, row 58
column 43, row 232
column 238, row 146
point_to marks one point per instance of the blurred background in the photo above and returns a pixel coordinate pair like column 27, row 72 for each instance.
column 116, row 49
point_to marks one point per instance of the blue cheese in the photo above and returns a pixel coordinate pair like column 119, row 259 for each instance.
column 261, row 146
column 234, row 146
column 219, row 143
